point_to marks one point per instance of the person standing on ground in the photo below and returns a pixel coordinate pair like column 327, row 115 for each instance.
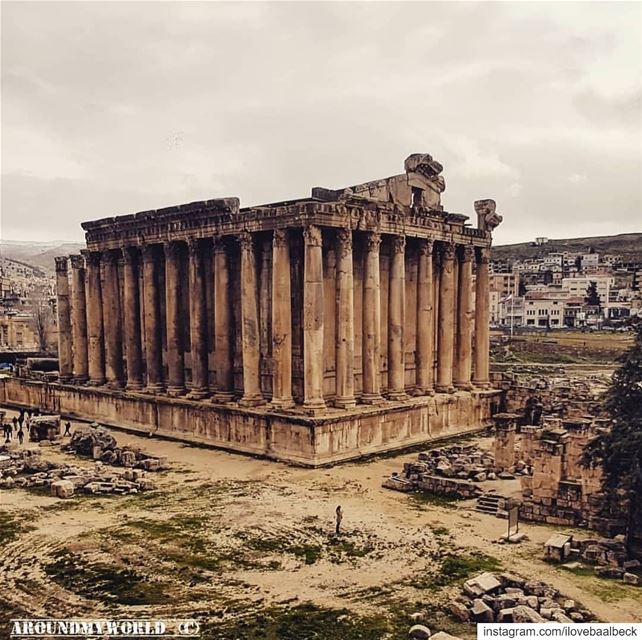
column 14, row 420
column 339, row 519
column 67, row 429
column 21, row 436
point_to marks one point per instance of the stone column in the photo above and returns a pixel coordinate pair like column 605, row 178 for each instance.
column 223, row 357
column 281, row 322
column 396, row 319
column 482, row 335
column 250, row 324
column 198, row 320
column 446, row 320
column 152, row 319
column 313, row 313
column 174, row 319
column 79, row 319
column 465, row 319
column 371, row 321
column 131, row 295
column 345, row 321
column 95, row 328
column 425, row 352
column 112, row 319
column 65, row 362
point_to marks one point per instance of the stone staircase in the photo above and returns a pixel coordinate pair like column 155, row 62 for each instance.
column 490, row 503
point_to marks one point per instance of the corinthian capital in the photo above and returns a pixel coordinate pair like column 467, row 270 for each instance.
column 61, row 264
column 373, row 241
column 344, row 241
column 426, row 246
column 398, row 244
column 468, row 253
column 447, row 250
column 245, row 240
column 77, row 261
column 312, row 236
column 280, row 238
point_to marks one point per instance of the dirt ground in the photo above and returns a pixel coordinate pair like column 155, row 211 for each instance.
column 248, row 546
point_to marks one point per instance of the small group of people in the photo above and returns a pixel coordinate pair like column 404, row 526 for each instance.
column 19, row 424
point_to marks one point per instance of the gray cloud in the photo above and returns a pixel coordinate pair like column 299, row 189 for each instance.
column 112, row 107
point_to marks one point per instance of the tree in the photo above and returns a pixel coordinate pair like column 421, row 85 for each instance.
column 619, row 450
column 42, row 321
column 592, row 296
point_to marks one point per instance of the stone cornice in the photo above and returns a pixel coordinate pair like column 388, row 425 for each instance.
column 221, row 218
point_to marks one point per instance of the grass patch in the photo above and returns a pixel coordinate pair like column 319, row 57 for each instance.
column 304, row 622
column 101, row 581
column 454, row 569
column 422, row 499
column 12, row 526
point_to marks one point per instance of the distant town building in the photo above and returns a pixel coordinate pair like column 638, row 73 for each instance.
column 541, row 240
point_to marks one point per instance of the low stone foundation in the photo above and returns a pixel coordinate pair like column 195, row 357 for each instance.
column 303, row 440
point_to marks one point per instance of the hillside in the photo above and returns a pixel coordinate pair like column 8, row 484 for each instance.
column 38, row 254
column 628, row 245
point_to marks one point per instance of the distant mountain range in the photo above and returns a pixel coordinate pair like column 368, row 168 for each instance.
column 629, row 245
column 38, row 254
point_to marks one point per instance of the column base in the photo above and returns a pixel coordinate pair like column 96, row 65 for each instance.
column 347, row 402
column 97, row 382
column 251, row 401
column 176, row 391
column 116, row 385
column 80, row 379
column 397, row 395
column 282, row 403
column 223, row 397
column 443, row 388
column 372, row 398
column 198, row 394
column 65, row 379
column 134, row 386
column 423, row 391
column 481, row 384
column 154, row 388
column 464, row 386
column 314, row 407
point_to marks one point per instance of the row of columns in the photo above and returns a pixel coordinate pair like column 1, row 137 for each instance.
column 91, row 343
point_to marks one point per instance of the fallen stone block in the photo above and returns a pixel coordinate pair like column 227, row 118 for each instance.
column 459, row 611
column 526, row 614
column 631, row 578
column 481, row 612
column 559, row 616
column 62, row 489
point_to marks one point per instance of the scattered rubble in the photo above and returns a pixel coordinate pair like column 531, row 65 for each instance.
column 507, row 598
column 99, row 444
column 607, row 555
column 27, row 469
column 452, row 471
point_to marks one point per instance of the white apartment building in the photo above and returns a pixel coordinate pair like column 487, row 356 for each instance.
column 544, row 312
column 577, row 286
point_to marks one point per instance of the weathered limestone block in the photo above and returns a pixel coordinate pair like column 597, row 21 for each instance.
column 62, row 489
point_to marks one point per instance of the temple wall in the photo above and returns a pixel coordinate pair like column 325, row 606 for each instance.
column 295, row 439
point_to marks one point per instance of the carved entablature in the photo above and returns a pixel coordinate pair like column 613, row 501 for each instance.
column 391, row 206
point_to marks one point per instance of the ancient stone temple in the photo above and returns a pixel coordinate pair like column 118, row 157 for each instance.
column 313, row 330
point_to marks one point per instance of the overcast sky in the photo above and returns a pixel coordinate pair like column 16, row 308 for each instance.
column 115, row 107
